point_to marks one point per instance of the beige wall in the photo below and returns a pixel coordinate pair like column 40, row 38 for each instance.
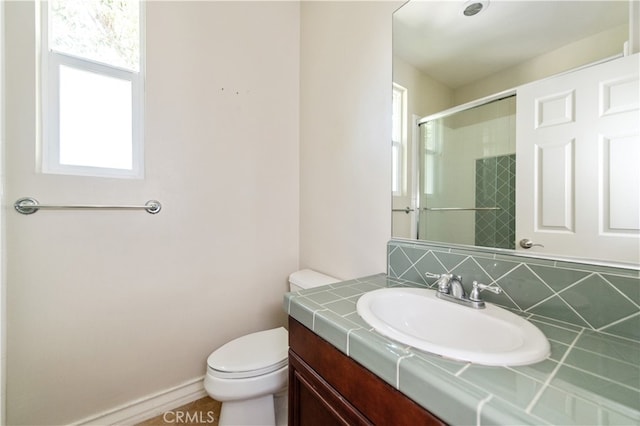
column 3, row 257
column 345, row 136
column 287, row 167
column 425, row 96
column 108, row 307
column 439, row 96
column 267, row 142
column 582, row 52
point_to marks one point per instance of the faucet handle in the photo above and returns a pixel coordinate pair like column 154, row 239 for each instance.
column 492, row 288
column 478, row 287
column 443, row 282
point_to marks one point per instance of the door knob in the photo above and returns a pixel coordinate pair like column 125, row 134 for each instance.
column 526, row 243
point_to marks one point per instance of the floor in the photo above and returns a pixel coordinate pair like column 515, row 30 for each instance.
column 205, row 411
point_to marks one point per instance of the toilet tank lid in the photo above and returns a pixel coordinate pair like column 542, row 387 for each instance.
column 307, row 278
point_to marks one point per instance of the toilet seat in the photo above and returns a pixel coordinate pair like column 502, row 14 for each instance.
column 252, row 355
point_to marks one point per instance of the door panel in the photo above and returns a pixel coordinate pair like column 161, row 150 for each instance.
column 578, row 180
column 555, row 186
column 620, row 178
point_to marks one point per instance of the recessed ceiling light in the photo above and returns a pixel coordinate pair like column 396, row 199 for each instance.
column 474, row 7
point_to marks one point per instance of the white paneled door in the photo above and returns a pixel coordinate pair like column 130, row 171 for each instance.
column 578, row 163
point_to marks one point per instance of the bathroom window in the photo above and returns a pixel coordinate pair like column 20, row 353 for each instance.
column 92, row 87
column 398, row 138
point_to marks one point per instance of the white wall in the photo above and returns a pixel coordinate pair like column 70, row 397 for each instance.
column 345, row 136
column 107, row 307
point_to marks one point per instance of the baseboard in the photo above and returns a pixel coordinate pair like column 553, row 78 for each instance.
column 149, row 406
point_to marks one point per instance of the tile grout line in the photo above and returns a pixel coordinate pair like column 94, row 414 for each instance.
column 349, row 342
column 608, row 379
column 554, row 292
column 618, row 290
column 462, row 370
column 398, row 368
column 479, row 408
column 411, row 262
column 313, row 321
column 603, row 356
column 576, row 312
column 604, row 327
column 555, row 323
column 546, row 383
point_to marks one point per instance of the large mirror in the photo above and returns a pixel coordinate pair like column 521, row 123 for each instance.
column 456, row 68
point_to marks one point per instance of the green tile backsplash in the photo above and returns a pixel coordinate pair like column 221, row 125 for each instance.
column 600, row 298
column 496, row 187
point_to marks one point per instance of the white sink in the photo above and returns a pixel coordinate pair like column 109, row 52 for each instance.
column 489, row 336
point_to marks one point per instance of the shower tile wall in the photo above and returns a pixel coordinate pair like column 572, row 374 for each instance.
column 495, row 187
column 596, row 297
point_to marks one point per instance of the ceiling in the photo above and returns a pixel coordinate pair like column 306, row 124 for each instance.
column 454, row 49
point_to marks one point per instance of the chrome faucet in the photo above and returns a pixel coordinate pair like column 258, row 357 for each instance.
column 450, row 288
column 451, row 284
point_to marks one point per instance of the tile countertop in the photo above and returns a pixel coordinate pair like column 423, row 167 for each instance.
column 590, row 378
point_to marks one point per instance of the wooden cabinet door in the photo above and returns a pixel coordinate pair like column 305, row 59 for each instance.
column 326, row 387
column 313, row 402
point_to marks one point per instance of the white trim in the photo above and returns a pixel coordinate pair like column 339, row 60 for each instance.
column 468, row 105
column 505, row 93
column 633, row 44
column 3, row 248
column 50, row 63
column 149, row 406
column 415, row 185
column 400, row 166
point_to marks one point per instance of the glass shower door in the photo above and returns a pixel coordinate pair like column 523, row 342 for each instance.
column 467, row 176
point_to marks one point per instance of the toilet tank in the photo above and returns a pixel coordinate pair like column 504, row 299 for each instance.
column 307, row 278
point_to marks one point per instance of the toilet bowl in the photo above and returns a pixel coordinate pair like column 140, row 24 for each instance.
column 249, row 374
column 245, row 373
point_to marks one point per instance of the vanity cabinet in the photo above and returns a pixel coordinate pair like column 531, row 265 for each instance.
column 327, row 387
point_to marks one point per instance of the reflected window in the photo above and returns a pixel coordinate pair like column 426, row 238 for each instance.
column 432, row 138
column 398, row 138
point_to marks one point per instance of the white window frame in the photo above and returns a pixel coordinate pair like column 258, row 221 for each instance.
column 399, row 146
column 430, row 173
column 51, row 61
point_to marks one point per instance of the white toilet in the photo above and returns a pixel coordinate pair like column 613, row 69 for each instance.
column 249, row 374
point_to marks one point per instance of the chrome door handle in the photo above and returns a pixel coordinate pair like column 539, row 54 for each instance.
column 526, row 243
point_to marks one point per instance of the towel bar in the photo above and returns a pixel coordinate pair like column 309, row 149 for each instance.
column 447, row 209
column 30, row 205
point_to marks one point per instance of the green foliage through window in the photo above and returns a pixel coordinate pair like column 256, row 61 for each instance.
column 105, row 31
